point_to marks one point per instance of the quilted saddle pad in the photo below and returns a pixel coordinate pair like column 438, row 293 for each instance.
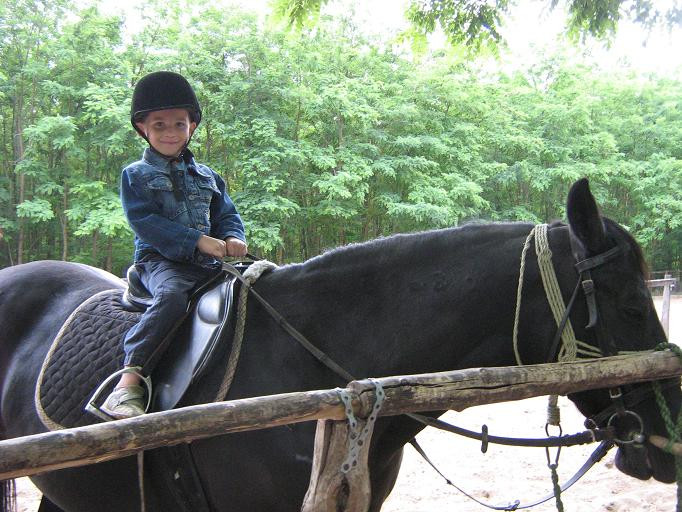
column 87, row 349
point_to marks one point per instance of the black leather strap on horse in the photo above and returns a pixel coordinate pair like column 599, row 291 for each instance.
column 597, row 455
column 554, row 348
column 282, row 322
column 585, row 279
column 585, row 437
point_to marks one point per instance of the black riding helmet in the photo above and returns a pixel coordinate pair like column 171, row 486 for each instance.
column 163, row 90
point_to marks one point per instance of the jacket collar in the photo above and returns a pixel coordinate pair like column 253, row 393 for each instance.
column 185, row 159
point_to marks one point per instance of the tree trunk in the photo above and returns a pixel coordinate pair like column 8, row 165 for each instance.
column 297, row 124
column 18, row 143
column 95, row 237
column 110, row 255
column 64, row 223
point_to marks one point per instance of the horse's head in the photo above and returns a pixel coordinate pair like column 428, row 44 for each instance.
column 624, row 319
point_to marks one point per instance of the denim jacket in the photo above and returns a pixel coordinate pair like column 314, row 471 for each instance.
column 170, row 203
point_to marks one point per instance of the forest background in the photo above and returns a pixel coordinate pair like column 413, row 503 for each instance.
column 325, row 135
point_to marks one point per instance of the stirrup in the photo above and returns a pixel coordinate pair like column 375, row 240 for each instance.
column 92, row 406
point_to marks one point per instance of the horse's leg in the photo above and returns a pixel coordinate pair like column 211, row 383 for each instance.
column 386, row 454
column 383, row 485
column 8, row 501
column 47, row 506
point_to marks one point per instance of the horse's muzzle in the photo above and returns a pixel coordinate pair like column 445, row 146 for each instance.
column 633, row 460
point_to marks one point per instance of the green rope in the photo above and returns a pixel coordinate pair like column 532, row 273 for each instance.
column 557, row 487
column 674, row 428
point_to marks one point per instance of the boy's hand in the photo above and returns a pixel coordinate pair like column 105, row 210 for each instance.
column 235, row 247
column 212, row 247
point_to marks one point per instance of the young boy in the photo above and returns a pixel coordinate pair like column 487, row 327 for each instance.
column 184, row 224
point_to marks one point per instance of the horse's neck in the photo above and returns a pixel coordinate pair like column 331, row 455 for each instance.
column 415, row 303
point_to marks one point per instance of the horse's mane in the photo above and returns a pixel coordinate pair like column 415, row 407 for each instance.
column 388, row 246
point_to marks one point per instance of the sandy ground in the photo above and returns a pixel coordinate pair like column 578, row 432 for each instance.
column 505, row 474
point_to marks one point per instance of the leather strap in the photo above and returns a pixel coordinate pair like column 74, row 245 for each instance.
column 554, row 347
column 178, row 474
column 597, row 455
column 598, row 260
column 290, row 329
column 585, row 437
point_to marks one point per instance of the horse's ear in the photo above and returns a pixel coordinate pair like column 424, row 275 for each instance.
column 584, row 218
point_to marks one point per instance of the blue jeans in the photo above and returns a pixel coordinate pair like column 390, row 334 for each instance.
column 171, row 284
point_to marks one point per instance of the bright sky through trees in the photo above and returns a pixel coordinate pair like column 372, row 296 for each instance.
column 532, row 30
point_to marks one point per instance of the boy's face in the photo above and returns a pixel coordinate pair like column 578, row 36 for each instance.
column 168, row 130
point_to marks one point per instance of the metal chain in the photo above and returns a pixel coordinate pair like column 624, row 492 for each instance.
column 358, row 434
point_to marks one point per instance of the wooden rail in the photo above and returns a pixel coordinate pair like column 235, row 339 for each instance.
column 455, row 390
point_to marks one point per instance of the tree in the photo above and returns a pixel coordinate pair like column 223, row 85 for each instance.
column 26, row 29
column 324, row 136
column 476, row 24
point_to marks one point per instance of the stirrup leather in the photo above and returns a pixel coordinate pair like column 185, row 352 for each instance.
column 92, row 406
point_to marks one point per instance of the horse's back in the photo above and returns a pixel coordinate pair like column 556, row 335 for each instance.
column 36, row 296
column 35, row 300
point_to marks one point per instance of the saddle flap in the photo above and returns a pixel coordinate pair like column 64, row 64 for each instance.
column 187, row 359
column 211, row 306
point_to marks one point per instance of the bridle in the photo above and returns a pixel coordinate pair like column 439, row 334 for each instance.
column 584, row 267
column 621, row 402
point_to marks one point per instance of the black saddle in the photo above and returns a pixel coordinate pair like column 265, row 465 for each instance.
column 210, row 311
column 88, row 349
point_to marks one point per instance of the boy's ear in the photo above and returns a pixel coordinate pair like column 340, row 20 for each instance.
column 192, row 127
column 141, row 128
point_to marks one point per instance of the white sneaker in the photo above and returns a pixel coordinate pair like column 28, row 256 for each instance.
column 124, row 402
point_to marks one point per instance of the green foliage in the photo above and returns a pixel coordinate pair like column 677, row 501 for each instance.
column 475, row 24
column 95, row 209
column 37, row 210
column 322, row 136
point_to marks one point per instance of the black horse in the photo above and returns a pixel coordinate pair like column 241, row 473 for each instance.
column 405, row 304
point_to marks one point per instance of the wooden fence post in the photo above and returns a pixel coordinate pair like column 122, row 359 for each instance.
column 667, row 283
column 339, row 479
column 665, row 306
column 330, row 489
